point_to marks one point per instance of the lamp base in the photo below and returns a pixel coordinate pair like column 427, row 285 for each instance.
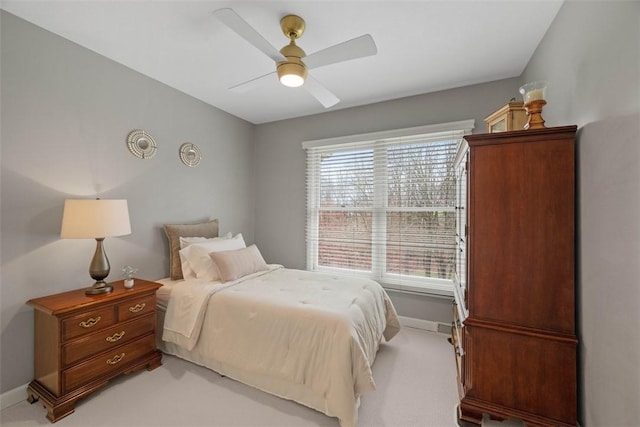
column 99, row 288
column 99, row 270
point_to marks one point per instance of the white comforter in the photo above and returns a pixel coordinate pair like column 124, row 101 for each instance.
column 313, row 336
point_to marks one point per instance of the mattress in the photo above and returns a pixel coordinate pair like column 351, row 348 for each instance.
column 164, row 293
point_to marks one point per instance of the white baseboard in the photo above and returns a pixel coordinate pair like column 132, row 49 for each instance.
column 11, row 397
column 426, row 325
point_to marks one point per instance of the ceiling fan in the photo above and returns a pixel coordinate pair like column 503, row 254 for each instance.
column 291, row 61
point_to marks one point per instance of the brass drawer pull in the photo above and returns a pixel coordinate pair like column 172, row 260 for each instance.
column 137, row 308
column 115, row 359
column 90, row 322
column 115, row 337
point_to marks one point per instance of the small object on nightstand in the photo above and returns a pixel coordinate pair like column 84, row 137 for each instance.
column 127, row 273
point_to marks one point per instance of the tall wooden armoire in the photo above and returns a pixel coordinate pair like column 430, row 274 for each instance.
column 514, row 331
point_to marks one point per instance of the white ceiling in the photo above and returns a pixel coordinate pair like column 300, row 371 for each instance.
column 423, row 46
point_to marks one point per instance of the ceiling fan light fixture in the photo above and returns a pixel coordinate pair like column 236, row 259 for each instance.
column 292, row 74
column 291, row 61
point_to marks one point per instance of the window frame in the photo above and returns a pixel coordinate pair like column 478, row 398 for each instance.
column 379, row 209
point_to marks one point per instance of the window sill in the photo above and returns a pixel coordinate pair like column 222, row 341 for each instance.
column 438, row 291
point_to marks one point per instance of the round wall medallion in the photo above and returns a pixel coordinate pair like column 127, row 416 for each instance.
column 190, row 154
column 141, row 144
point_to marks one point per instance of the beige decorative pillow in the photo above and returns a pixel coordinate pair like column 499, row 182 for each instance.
column 175, row 231
column 238, row 263
column 198, row 260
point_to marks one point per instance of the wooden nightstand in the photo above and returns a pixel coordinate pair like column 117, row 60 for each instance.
column 82, row 342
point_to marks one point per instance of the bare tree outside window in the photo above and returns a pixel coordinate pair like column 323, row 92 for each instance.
column 346, row 186
column 420, row 221
column 395, row 200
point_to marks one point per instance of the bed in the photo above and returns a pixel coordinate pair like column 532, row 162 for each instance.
column 304, row 336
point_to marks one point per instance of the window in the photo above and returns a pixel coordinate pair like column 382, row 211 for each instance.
column 383, row 206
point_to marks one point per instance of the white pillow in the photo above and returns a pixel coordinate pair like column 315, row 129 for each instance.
column 186, row 241
column 187, row 271
column 200, row 263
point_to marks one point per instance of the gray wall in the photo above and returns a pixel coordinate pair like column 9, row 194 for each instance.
column 280, row 168
column 66, row 112
column 591, row 57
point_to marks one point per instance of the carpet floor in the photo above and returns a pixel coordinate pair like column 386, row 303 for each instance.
column 414, row 373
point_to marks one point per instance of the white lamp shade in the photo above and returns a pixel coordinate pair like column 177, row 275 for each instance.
column 90, row 219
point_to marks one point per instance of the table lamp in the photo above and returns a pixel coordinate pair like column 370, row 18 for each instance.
column 96, row 219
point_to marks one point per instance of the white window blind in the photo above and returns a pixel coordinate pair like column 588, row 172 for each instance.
column 382, row 206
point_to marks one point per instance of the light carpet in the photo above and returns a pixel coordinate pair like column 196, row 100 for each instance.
column 414, row 373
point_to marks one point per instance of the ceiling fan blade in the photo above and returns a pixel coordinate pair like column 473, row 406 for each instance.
column 253, row 83
column 232, row 20
column 351, row 49
column 319, row 92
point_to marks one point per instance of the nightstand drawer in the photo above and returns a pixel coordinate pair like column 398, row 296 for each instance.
column 88, row 322
column 137, row 307
column 108, row 338
column 107, row 364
